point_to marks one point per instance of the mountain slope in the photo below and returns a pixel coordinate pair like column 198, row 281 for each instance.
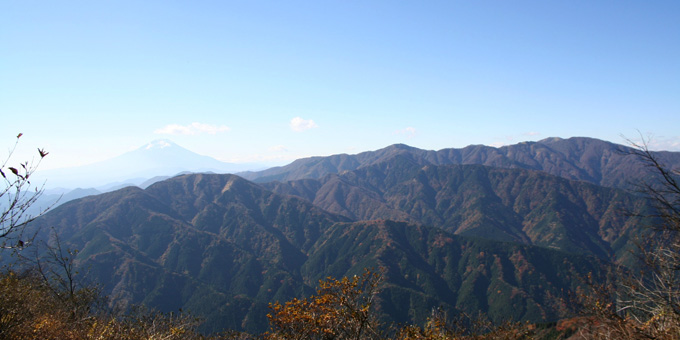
column 514, row 205
column 223, row 248
column 578, row 158
column 214, row 244
column 427, row 268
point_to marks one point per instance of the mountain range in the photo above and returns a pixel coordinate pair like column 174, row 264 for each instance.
column 484, row 229
column 158, row 158
column 148, row 164
column 578, row 158
column 510, row 205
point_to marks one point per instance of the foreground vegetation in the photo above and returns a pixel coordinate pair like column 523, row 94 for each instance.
column 33, row 308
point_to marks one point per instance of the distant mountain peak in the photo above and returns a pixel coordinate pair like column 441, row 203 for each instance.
column 573, row 139
column 159, row 144
column 401, row 146
column 159, row 158
column 551, row 140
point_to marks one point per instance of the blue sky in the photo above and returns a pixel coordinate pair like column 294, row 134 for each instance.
column 271, row 81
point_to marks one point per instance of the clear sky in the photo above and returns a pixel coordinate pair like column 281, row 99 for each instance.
column 271, row 81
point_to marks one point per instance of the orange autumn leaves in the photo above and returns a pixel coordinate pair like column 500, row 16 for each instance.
column 341, row 309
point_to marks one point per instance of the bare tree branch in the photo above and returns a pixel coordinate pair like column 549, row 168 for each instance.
column 16, row 197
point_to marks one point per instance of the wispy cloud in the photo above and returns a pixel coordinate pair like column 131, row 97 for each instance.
column 298, row 124
column 278, row 148
column 410, row 132
column 503, row 141
column 665, row 144
column 512, row 139
column 192, row 129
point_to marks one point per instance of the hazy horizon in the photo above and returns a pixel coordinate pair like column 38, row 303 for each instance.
column 269, row 82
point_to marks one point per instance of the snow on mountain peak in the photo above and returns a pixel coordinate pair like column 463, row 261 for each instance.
column 158, row 144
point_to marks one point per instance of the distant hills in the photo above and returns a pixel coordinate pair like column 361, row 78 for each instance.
column 475, row 229
column 578, row 158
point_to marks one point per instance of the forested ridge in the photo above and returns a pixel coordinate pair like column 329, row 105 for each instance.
column 503, row 250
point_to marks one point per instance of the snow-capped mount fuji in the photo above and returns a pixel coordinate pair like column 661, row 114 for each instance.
column 158, row 158
column 163, row 157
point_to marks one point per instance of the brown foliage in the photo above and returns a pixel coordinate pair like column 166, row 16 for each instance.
column 340, row 310
column 31, row 310
column 464, row 327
